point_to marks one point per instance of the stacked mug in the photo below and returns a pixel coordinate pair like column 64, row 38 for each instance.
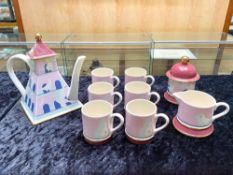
column 97, row 114
column 141, row 113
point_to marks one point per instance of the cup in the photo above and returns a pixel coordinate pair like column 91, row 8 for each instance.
column 97, row 119
column 103, row 91
column 139, row 90
column 141, row 119
column 138, row 74
column 104, row 74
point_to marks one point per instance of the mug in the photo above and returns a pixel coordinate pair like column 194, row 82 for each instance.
column 97, row 119
column 138, row 74
column 104, row 74
column 103, row 91
column 196, row 109
column 139, row 90
column 141, row 119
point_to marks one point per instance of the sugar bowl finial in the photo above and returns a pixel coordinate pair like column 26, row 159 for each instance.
column 38, row 37
column 184, row 60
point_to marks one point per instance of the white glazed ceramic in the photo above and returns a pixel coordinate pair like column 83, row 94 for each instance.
column 182, row 76
column 179, row 86
column 139, row 90
column 104, row 74
column 141, row 119
column 138, row 74
column 97, row 119
column 47, row 95
column 103, row 91
column 196, row 109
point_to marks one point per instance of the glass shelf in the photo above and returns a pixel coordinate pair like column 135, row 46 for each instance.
column 212, row 52
column 117, row 51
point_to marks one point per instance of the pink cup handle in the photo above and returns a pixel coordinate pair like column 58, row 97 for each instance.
column 121, row 121
column 119, row 98
column 117, row 81
column 157, row 96
column 164, row 125
column 221, row 114
column 152, row 79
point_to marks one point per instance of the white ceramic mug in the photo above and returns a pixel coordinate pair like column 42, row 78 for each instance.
column 104, row 74
column 103, row 91
column 97, row 119
column 138, row 74
column 139, row 90
column 141, row 119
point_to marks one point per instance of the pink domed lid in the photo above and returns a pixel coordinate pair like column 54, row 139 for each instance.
column 40, row 50
column 183, row 71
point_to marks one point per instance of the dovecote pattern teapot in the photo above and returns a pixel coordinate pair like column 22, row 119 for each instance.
column 47, row 95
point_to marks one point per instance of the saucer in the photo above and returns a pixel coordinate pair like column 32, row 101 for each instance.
column 197, row 133
column 169, row 98
column 139, row 141
column 97, row 141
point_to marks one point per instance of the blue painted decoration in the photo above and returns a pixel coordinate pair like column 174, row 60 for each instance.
column 26, row 99
column 46, row 108
column 29, row 102
column 46, row 69
column 57, row 105
column 32, row 107
column 58, row 84
column 68, row 103
column 34, row 87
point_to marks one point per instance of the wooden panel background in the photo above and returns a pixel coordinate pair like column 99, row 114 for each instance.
column 122, row 16
column 128, row 16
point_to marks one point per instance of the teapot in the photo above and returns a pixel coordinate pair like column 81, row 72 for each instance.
column 46, row 95
column 196, row 109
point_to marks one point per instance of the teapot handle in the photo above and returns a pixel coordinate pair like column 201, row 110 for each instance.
column 9, row 66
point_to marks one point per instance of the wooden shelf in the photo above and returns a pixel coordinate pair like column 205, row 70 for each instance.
column 8, row 24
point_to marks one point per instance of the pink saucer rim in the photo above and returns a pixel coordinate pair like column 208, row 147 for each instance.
column 192, row 127
column 191, row 135
column 169, row 100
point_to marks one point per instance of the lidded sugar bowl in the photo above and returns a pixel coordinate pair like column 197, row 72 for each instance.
column 181, row 77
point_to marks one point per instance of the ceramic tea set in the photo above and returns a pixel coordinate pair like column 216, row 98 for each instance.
column 47, row 96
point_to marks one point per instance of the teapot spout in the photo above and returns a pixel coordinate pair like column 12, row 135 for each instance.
column 74, row 86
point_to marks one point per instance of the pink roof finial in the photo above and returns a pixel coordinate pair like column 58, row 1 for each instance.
column 40, row 50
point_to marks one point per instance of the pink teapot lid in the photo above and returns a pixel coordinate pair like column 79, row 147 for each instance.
column 40, row 50
column 183, row 71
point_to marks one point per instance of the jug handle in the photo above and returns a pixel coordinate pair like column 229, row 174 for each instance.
column 10, row 70
column 227, row 109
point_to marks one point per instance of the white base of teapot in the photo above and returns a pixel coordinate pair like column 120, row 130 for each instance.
column 45, row 117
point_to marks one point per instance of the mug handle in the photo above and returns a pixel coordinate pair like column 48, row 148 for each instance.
column 119, row 98
column 9, row 66
column 117, row 81
column 151, row 78
column 164, row 125
column 121, row 121
column 157, row 96
column 223, row 112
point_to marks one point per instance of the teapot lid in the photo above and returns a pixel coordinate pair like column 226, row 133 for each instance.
column 183, row 71
column 40, row 50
